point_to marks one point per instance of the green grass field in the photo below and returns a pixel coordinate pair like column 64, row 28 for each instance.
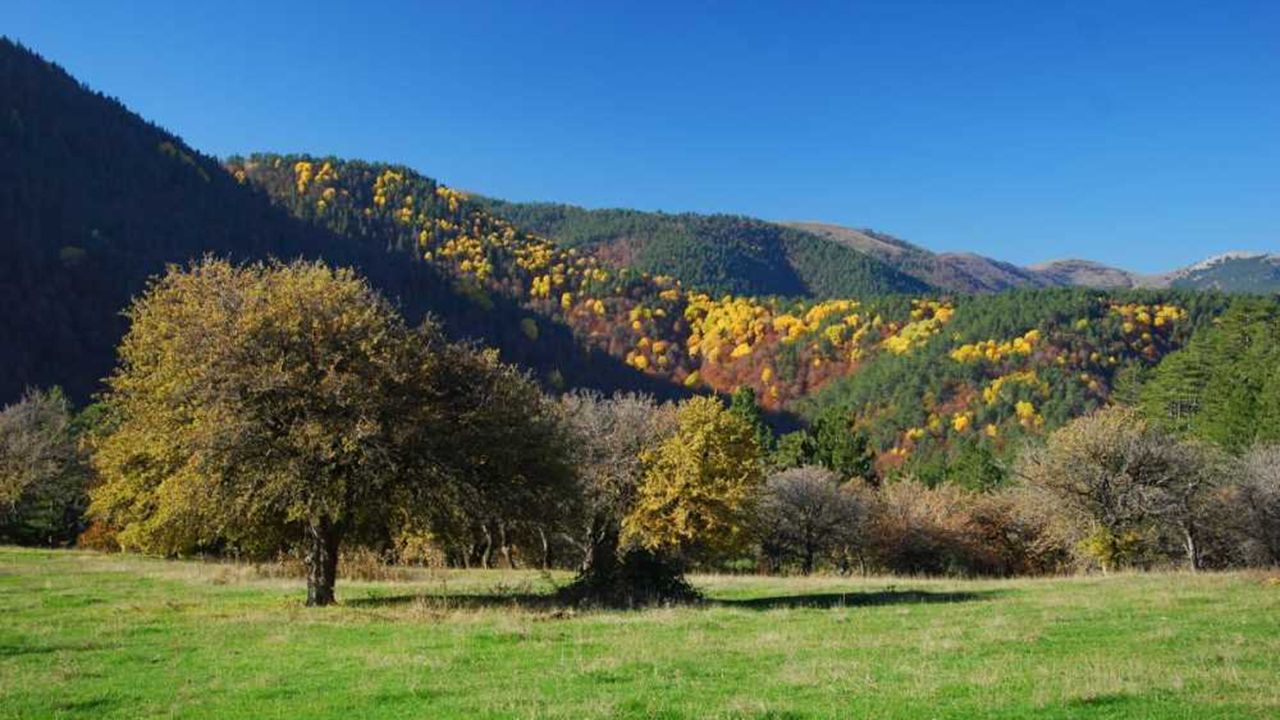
column 98, row 636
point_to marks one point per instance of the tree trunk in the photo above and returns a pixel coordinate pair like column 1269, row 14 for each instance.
column 635, row 579
column 487, row 553
column 602, row 550
column 322, row 563
column 1193, row 552
column 504, row 547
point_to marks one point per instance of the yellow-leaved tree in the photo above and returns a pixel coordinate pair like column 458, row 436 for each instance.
column 273, row 406
column 701, row 486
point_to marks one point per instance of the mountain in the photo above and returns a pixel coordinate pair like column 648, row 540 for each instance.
column 920, row 376
column 94, row 200
column 718, row 253
column 784, row 346
column 1086, row 273
column 954, row 272
column 1232, row 272
column 1235, row 272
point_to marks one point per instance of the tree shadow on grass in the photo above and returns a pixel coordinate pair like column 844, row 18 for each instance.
column 458, row 601
column 19, row 649
column 854, row 599
column 536, row 601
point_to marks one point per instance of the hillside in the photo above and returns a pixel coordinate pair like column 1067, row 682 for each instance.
column 718, row 253
column 1086, row 273
column 1009, row 366
column 785, row 347
column 94, row 200
column 923, row 377
column 1232, row 272
column 954, row 272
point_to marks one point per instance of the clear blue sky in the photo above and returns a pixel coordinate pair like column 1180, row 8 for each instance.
column 1141, row 134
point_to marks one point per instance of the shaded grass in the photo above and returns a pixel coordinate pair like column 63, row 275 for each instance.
column 85, row 635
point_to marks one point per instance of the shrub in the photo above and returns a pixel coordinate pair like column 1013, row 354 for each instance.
column 807, row 518
column 1260, row 499
column 42, row 471
column 98, row 536
column 921, row 530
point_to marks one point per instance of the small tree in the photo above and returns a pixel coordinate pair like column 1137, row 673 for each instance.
column 700, row 487
column 794, row 449
column 743, row 404
column 806, row 516
column 269, row 406
column 841, row 448
column 611, row 438
column 1125, row 479
column 1261, row 500
column 42, row 470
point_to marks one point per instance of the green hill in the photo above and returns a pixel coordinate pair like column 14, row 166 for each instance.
column 718, row 253
column 922, row 377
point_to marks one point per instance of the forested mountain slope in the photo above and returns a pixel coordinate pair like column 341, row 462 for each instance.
column 784, row 346
column 94, row 200
column 717, row 253
column 1010, row 366
column 1224, row 385
column 921, row 376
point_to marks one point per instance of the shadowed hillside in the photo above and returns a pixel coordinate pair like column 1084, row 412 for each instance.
column 94, row 200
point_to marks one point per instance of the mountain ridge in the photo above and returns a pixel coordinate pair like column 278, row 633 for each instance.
column 985, row 274
column 664, row 242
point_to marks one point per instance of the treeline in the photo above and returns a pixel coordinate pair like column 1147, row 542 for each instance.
column 272, row 409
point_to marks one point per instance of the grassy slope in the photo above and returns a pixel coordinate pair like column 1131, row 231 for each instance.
column 85, row 635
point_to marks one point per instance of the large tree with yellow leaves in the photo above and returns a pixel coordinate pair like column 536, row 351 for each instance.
column 272, row 406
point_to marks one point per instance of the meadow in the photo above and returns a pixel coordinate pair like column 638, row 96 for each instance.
column 110, row 636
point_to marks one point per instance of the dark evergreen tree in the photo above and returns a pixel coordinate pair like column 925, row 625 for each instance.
column 840, row 448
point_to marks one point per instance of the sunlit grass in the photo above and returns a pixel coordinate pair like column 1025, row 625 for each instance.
column 85, row 635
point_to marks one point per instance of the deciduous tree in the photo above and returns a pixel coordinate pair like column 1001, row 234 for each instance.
column 42, row 470
column 700, row 486
column 273, row 405
column 1122, row 478
column 806, row 516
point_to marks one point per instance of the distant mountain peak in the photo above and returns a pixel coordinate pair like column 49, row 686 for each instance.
column 1228, row 256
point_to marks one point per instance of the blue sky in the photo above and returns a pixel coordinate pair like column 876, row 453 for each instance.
column 1140, row 134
